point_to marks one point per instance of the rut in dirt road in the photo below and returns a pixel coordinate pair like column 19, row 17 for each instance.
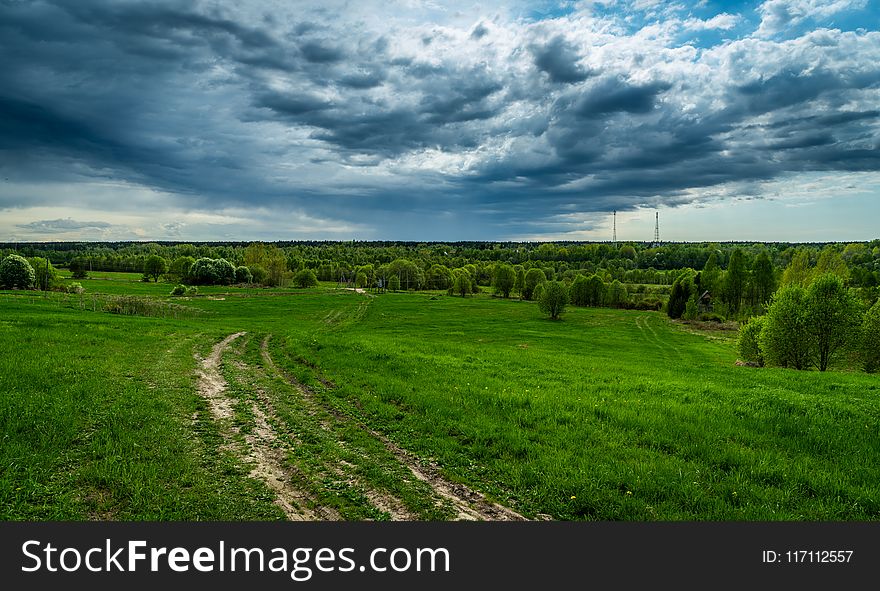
column 262, row 446
column 469, row 504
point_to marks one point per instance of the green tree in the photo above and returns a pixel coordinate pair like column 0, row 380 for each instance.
column 798, row 271
column 596, row 289
column 258, row 274
column 553, row 298
column 682, row 289
column 785, row 338
column 870, row 345
column 710, row 276
column 461, row 284
column 763, row 279
column 410, row 274
column 520, row 281
column 46, row 276
column 748, row 344
column 394, row 283
column 154, row 267
column 305, row 278
column 16, row 273
column 617, row 294
column 361, row 279
column 833, row 317
column 439, row 277
column 179, row 268
column 579, row 292
column 79, row 268
column 830, row 261
column 503, row 279
column 735, row 281
column 533, row 278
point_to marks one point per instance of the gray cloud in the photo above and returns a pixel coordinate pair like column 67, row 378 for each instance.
column 349, row 116
column 61, row 226
column 558, row 60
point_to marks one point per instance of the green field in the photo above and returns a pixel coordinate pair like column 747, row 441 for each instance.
column 606, row 414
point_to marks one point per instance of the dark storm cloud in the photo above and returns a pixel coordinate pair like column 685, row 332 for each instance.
column 613, row 95
column 558, row 60
column 321, row 52
column 221, row 106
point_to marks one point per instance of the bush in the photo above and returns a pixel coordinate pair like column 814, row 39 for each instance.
column 74, row 287
column 258, row 274
column 79, row 268
column 749, row 342
column 305, row 278
column 178, row 290
column 394, row 283
column 16, row 273
column 712, row 317
column 785, row 340
column 833, row 318
column 243, row 275
column 553, row 298
column 207, row 271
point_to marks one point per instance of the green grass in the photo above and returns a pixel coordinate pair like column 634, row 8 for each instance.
column 605, row 414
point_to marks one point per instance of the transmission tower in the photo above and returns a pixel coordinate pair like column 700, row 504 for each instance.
column 614, row 234
column 656, row 228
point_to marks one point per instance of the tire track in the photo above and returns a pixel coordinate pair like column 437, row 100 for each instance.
column 469, row 504
column 261, row 447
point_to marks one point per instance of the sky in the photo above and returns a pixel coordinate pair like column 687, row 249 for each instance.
column 430, row 120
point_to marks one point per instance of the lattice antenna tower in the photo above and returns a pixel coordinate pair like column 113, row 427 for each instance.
column 614, row 232
column 657, row 228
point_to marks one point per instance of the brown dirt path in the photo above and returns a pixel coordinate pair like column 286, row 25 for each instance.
column 261, row 447
column 469, row 504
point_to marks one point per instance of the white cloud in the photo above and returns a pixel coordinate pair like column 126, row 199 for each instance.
column 777, row 15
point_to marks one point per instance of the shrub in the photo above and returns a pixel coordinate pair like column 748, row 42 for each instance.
column 79, row 268
column 394, row 283
column 305, row 278
column 243, row 275
column 748, row 344
column 178, row 290
column 712, row 317
column 207, row 271
column 258, row 274
column 74, row 287
column 552, row 298
column 785, row 340
column 16, row 273
column 833, row 318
